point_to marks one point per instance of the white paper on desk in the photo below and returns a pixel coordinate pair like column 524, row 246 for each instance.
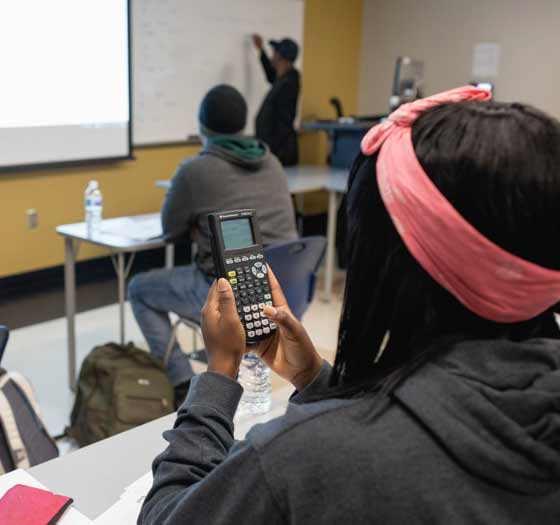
column 135, row 228
column 21, row 477
column 126, row 510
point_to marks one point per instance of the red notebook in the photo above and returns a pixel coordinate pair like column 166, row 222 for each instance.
column 29, row 506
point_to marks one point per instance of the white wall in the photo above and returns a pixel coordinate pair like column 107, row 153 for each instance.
column 443, row 34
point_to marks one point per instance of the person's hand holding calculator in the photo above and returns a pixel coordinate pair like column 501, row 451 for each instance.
column 246, row 309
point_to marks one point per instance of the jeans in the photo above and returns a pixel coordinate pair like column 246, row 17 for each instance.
column 153, row 295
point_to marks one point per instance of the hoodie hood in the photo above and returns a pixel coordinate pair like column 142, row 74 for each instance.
column 495, row 407
column 247, row 152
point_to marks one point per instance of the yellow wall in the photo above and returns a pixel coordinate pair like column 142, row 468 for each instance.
column 332, row 41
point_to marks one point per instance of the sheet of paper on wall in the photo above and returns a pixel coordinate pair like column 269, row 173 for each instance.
column 71, row 517
column 486, row 60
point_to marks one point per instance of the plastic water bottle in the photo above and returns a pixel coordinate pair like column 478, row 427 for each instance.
column 93, row 207
column 254, row 377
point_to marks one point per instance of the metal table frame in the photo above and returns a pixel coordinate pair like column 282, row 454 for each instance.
column 123, row 251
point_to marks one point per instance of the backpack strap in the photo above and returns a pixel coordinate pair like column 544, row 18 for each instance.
column 11, row 432
column 27, row 391
column 21, row 383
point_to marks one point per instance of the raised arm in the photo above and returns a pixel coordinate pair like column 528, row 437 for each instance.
column 268, row 68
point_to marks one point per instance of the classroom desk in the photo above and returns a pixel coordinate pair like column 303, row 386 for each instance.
column 304, row 179
column 74, row 235
column 96, row 476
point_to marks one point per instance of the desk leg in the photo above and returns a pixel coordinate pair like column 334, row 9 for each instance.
column 121, row 276
column 70, row 300
column 169, row 255
column 331, row 245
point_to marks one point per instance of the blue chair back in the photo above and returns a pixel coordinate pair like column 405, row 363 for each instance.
column 4, row 333
column 295, row 264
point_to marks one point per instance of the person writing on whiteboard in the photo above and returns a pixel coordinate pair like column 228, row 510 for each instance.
column 275, row 119
column 230, row 172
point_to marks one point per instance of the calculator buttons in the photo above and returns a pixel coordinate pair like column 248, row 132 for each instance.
column 237, row 259
column 272, row 326
column 231, row 274
column 259, row 332
column 258, row 264
column 267, row 296
column 244, row 258
column 257, row 324
column 261, row 306
column 250, row 333
column 252, row 257
column 266, row 330
column 247, row 269
column 246, row 309
column 263, row 315
column 248, row 317
column 254, row 307
column 249, row 326
column 260, row 275
column 265, row 322
column 268, row 303
column 260, row 256
column 229, row 261
column 256, row 316
column 233, row 281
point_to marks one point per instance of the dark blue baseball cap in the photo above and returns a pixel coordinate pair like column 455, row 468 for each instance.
column 286, row 48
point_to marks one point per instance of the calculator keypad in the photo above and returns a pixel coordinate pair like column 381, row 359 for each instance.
column 248, row 277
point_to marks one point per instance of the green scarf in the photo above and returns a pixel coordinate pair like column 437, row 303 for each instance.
column 247, row 148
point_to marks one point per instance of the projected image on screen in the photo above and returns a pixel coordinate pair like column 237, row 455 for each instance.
column 64, row 94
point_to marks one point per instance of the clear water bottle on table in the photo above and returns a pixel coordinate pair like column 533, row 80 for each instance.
column 93, row 207
column 254, row 377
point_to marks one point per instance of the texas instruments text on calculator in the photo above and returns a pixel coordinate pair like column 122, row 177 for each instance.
column 239, row 258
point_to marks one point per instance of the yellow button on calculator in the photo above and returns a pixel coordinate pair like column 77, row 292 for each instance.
column 231, row 274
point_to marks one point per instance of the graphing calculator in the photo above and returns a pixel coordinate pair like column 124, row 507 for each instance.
column 238, row 257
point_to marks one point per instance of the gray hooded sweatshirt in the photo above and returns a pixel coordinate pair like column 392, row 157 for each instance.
column 230, row 173
column 472, row 437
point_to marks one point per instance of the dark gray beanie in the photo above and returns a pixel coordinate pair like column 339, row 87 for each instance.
column 223, row 110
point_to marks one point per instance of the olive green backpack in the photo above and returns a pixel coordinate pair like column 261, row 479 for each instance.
column 120, row 387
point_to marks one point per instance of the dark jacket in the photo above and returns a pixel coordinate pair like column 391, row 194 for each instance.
column 228, row 174
column 275, row 119
column 472, row 437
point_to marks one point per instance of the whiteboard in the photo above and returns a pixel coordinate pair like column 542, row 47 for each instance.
column 181, row 48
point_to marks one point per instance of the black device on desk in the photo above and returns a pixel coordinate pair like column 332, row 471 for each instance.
column 238, row 257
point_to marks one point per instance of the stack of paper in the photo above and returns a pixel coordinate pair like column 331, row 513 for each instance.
column 139, row 228
column 126, row 510
column 19, row 476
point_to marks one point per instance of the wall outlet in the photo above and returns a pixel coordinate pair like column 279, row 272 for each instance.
column 32, row 218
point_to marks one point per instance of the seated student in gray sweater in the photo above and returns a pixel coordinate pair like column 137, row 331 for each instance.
column 231, row 172
column 443, row 406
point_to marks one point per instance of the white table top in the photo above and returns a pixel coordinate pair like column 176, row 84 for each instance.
column 95, row 476
column 110, row 240
column 304, row 179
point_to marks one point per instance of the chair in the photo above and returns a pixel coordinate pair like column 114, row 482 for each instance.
column 295, row 264
column 4, row 334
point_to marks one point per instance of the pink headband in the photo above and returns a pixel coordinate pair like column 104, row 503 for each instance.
column 488, row 280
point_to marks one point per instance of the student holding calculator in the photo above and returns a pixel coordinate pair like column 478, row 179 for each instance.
column 443, row 405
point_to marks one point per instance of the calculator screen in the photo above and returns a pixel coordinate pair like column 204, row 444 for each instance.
column 237, row 233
